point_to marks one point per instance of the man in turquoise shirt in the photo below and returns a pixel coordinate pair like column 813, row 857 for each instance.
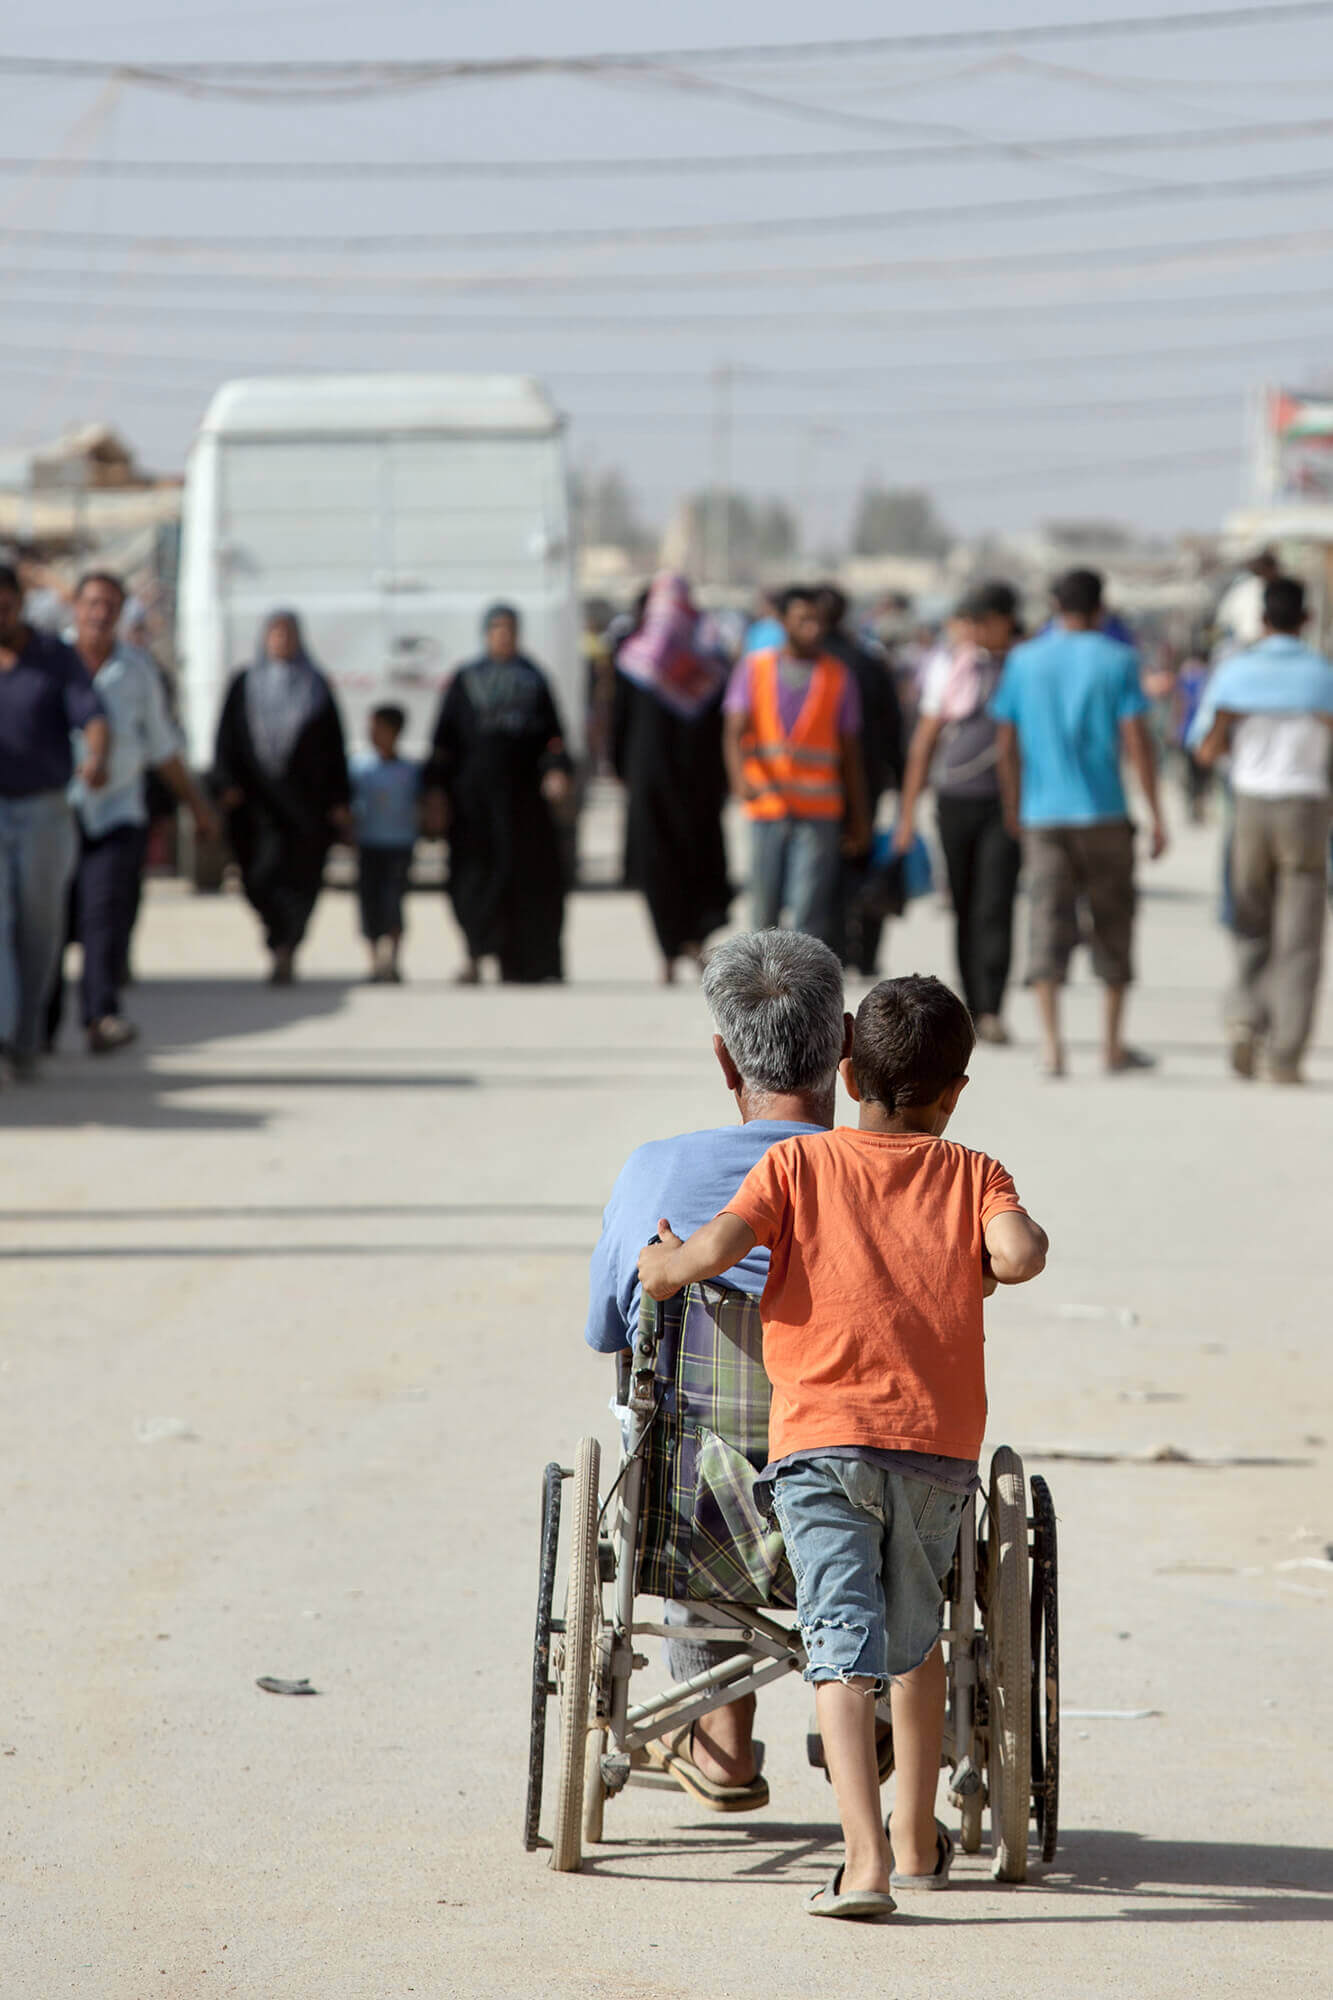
column 1070, row 707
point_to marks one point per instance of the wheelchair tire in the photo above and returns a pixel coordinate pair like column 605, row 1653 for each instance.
column 542, row 1685
column 582, row 1600
column 1045, row 1669
column 1009, row 1668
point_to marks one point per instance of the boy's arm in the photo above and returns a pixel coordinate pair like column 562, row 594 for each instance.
column 1016, row 1247
column 666, row 1267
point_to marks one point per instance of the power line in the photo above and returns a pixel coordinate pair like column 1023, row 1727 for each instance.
column 366, row 77
column 418, row 324
column 1267, row 247
column 885, row 318
column 149, row 371
column 1178, row 139
column 1150, row 194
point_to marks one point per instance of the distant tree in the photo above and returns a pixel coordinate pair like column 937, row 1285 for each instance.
column 775, row 532
column 732, row 532
column 898, row 521
column 605, row 511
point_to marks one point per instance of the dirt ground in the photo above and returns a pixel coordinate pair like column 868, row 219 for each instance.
column 293, row 1319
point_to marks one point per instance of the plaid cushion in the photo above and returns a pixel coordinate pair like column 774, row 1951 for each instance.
column 701, row 1533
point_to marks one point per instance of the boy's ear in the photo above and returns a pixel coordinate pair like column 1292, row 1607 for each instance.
column 949, row 1098
column 848, row 1075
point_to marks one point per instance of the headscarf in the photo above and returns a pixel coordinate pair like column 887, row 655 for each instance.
column 671, row 654
column 280, row 697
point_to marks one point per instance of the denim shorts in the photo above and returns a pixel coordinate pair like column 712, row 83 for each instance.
column 871, row 1551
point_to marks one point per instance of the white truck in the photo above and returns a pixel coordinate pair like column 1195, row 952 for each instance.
column 388, row 511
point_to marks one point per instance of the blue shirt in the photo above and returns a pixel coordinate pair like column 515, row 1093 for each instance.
column 384, row 799
column 143, row 736
column 689, row 1180
column 43, row 697
column 1279, row 676
column 1067, row 693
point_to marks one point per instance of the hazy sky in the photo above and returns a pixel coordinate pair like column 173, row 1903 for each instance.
column 1095, row 358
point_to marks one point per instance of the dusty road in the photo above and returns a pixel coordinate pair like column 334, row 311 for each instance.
column 293, row 1307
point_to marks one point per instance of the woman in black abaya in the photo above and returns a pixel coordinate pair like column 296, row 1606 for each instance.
column 498, row 765
column 281, row 772
column 668, row 751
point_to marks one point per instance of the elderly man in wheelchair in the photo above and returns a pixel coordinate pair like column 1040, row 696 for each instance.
column 683, row 1519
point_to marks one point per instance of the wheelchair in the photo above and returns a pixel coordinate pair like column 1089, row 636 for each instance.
column 680, row 1521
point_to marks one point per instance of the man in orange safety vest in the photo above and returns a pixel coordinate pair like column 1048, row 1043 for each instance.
column 793, row 723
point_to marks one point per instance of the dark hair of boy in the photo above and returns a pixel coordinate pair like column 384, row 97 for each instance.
column 1284, row 604
column 795, row 593
column 391, row 716
column 1078, row 592
column 913, row 1038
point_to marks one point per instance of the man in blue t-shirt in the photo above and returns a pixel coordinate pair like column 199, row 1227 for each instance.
column 1070, row 707
column 781, row 1030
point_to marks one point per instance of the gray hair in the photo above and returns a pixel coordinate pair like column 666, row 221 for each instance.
column 776, row 1001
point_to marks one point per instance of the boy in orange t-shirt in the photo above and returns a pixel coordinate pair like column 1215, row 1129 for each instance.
column 883, row 1243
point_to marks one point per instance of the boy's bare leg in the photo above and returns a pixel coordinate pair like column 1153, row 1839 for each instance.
column 1048, row 1010
column 846, row 1714
column 723, row 1746
column 918, row 1702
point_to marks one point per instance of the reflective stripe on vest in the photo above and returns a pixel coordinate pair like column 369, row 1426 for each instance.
column 797, row 776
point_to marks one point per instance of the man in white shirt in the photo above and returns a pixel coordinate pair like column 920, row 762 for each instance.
column 113, row 821
column 1271, row 709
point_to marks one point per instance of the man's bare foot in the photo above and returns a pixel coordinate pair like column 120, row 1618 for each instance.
column 470, row 974
column 725, row 1763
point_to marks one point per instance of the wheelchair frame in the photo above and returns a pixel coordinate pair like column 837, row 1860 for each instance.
column 1001, row 1640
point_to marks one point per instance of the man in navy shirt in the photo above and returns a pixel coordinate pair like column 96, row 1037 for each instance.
column 44, row 695
column 777, row 1005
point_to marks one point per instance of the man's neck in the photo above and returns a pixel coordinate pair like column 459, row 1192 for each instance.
column 95, row 655
column 1071, row 622
column 796, row 1107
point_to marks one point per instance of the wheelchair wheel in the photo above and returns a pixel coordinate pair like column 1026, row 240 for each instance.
column 582, row 1603
column 542, row 1685
column 1009, row 1674
column 594, row 1790
column 1045, row 1669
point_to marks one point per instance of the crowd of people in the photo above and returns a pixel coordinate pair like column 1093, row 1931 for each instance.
column 806, row 721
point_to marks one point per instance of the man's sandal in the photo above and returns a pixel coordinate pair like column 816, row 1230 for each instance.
column 672, row 1755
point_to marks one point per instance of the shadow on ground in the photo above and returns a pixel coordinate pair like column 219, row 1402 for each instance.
column 1186, row 1881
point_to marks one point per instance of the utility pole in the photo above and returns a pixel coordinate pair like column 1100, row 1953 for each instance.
column 718, row 538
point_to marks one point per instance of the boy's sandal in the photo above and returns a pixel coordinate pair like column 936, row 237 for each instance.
column 858, row 1905
column 672, row 1755
column 939, row 1876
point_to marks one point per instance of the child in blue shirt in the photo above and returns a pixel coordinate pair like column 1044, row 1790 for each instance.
column 385, row 792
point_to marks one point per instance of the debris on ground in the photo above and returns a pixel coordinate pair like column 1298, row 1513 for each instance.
column 1108, row 1714
column 272, row 1685
column 155, row 1430
column 1123, row 1315
column 1159, row 1454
